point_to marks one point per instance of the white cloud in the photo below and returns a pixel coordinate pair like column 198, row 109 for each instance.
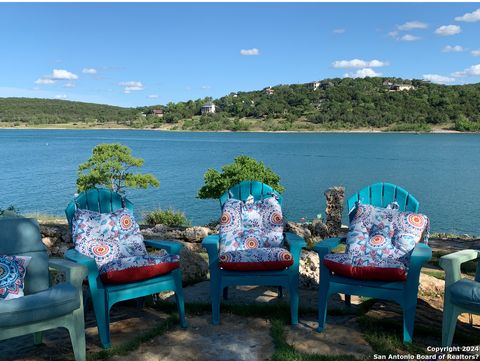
column 439, row 79
column 44, row 81
column 89, row 71
column 409, row 25
column 358, row 63
column 470, row 17
column 129, row 86
column 62, row 74
column 253, row 51
column 408, row 37
column 60, row 96
column 447, row 30
column 362, row 73
column 152, row 96
column 476, row 52
column 453, row 49
column 338, row 31
column 69, row 85
column 393, row 34
column 474, row 70
column 205, row 87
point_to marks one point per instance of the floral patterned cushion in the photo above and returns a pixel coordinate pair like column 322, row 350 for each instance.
column 379, row 243
column 257, row 259
column 107, row 236
column 12, row 275
column 251, row 224
column 138, row 268
column 363, row 268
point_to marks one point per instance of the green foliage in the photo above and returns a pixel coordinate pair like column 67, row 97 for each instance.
column 463, row 124
column 243, row 168
column 339, row 103
column 10, row 211
column 168, row 217
column 110, row 166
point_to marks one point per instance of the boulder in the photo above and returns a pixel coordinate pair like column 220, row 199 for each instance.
column 196, row 234
column 161, row 231
column 299, row 229
column 335, row 197
column 194, row 266
column 309, row 270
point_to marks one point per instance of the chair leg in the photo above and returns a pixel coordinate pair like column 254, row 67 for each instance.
column 280, row 292
column 294, row 299
column 348, row 300
column 179, row 299
column 37, row 338
column 140, row 302
column 225, row 293
column 450, row 315
column 76, row 329
column 215, row 294
column 409, row 312
column 102, row 314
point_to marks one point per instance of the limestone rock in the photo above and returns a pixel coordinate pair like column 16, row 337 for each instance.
column 161, row 231
column 309, row 270
column 299, row 229
column 335, row 197
column 194, row 266
column 196, row 234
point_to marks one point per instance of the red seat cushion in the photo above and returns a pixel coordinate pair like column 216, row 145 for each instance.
column 386, row 270
column 138, row 268
column 256, row 259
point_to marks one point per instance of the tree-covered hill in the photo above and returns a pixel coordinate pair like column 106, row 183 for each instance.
column 340, row 103
column 53, row 111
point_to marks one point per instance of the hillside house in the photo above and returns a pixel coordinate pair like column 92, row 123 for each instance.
column 401, row 87
column 157, row 113
column 208, row 108
column 315, row 85
column 269, row 90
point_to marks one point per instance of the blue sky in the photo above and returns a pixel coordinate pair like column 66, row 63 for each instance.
column 153, row 53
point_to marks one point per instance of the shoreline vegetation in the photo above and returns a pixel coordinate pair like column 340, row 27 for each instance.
column 330, row 105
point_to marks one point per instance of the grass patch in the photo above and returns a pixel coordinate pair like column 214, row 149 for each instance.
column 409, row 127
column 167, row 217
column 434, row 273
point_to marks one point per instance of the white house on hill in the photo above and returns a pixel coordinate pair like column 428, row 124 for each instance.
column 208, row 108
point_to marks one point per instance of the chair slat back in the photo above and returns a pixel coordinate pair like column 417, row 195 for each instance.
column 21, row 237
column 99, row 200
column 243, row 189
column 381, row 195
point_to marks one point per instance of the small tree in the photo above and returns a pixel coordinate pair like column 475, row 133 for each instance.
column 110, row 166
column 243, row 168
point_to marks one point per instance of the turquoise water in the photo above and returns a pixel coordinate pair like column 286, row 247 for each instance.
column 38, row 169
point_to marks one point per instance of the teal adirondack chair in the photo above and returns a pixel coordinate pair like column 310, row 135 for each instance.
column 104, row 296
column 402, row 292
column 462, row 295
column 221, row 279
column 43, row 307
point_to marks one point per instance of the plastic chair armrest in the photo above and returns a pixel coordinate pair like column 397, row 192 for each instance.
column 75, row 273
column 211, row 244
column 451, row 264
column 171, row 247
column 327, row 245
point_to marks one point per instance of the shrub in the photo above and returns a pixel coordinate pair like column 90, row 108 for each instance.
column 167, row 217
column 243, row 168
column 110, row 166
column 462, row 124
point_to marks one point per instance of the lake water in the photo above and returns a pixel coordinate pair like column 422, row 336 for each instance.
column 38, row 169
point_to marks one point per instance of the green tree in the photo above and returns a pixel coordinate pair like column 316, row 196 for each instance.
column 243, row 168
column 110, row 166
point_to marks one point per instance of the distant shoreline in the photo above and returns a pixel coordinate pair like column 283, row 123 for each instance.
column 336, row 131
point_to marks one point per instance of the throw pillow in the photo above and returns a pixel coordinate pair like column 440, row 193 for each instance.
column 12, row 275
column 107, row 236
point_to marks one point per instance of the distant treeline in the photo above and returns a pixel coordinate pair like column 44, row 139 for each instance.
column 340, row 103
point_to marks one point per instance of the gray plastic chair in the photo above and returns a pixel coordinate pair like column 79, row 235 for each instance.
column 43, row 307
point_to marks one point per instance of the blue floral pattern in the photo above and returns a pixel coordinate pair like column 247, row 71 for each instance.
column 107, row 236
column 251, row 224
column 12, row 274
column 257, row 258
column 382, row 237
